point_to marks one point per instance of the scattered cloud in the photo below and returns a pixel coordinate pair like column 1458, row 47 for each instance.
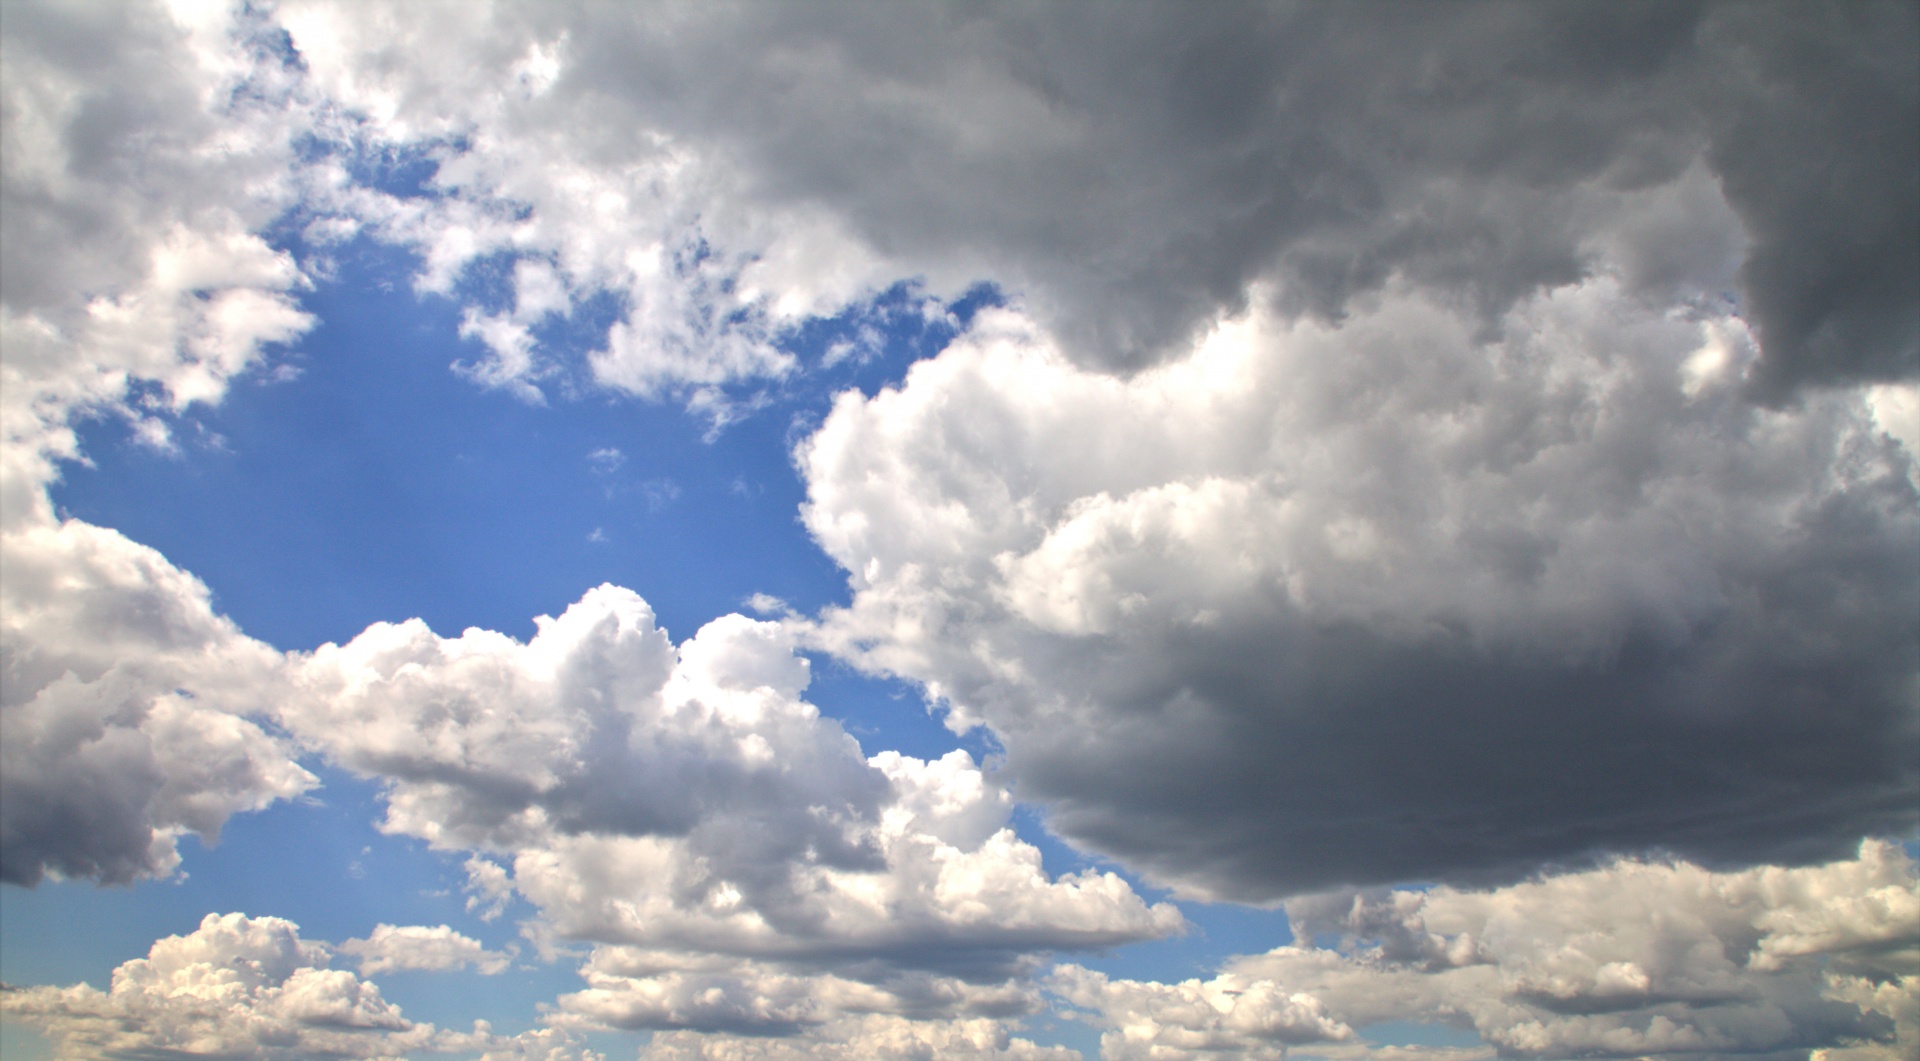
column 396, row 948
column 1413, row 443
column 606, row 460
column 241, row 986
column 1634, row 959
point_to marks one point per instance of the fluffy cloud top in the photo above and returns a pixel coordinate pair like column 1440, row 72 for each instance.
column 1634, row 959
column 394, row 948
column 687, row 803
column 241, row 986
column 1392, row 598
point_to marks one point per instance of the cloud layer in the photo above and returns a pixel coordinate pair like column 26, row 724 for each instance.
column 1138, row 173
column 1633, row 959
column 1390, row 599
column 242, row 986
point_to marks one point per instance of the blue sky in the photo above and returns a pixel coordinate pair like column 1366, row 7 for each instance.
column 1037, row 532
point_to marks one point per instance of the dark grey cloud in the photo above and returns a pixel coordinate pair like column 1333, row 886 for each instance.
column 1813, row 138
column 1348, row 760
column 1135, row 171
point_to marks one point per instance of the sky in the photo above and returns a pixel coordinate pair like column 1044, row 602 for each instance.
column 759, row 532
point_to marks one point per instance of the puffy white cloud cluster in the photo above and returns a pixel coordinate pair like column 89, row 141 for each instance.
column 1395, row 598
column 1634, row 959
column 242, row 986
column 145, row 150
column 750, row 866
column 394, row 948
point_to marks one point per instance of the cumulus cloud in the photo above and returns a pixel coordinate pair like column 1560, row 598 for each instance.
column 689, row 803
column 1635, row 959
column 144, row 152
column 242, row 986
column 130, row 712
column 1368, row 484
column 396, row 948
column 1393, row 599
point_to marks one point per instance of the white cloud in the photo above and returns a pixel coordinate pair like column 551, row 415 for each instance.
column 241, row 986
column 397, row 948
column 144, row 150
column 1633, row 959
column 872, row 1037
column 1391, row 598
column 138, row 170
column 688, row 801
column 129, row 710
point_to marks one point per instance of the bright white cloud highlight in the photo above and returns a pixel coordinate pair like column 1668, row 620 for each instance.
column 400, row 948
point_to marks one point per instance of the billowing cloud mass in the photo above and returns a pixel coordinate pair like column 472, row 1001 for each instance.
column 242, row 986
column 1634, row 959
column 742, row 863
column 872, row 1038
column 124, row 713
column 1393, row 599
column 1137, row 173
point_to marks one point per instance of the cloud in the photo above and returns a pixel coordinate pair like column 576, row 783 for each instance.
column 687, row 801
column 1138, row 174
column 1390, row 599
column 397, row 948
column 636, row 988
column 143, row 153
column 1632, row 959
column 143, row 156
column 130, row 712
column 246, row 986
column 867, row 1038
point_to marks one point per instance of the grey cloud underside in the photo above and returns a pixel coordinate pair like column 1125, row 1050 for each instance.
column 1376, row 762
column 1135, row 173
